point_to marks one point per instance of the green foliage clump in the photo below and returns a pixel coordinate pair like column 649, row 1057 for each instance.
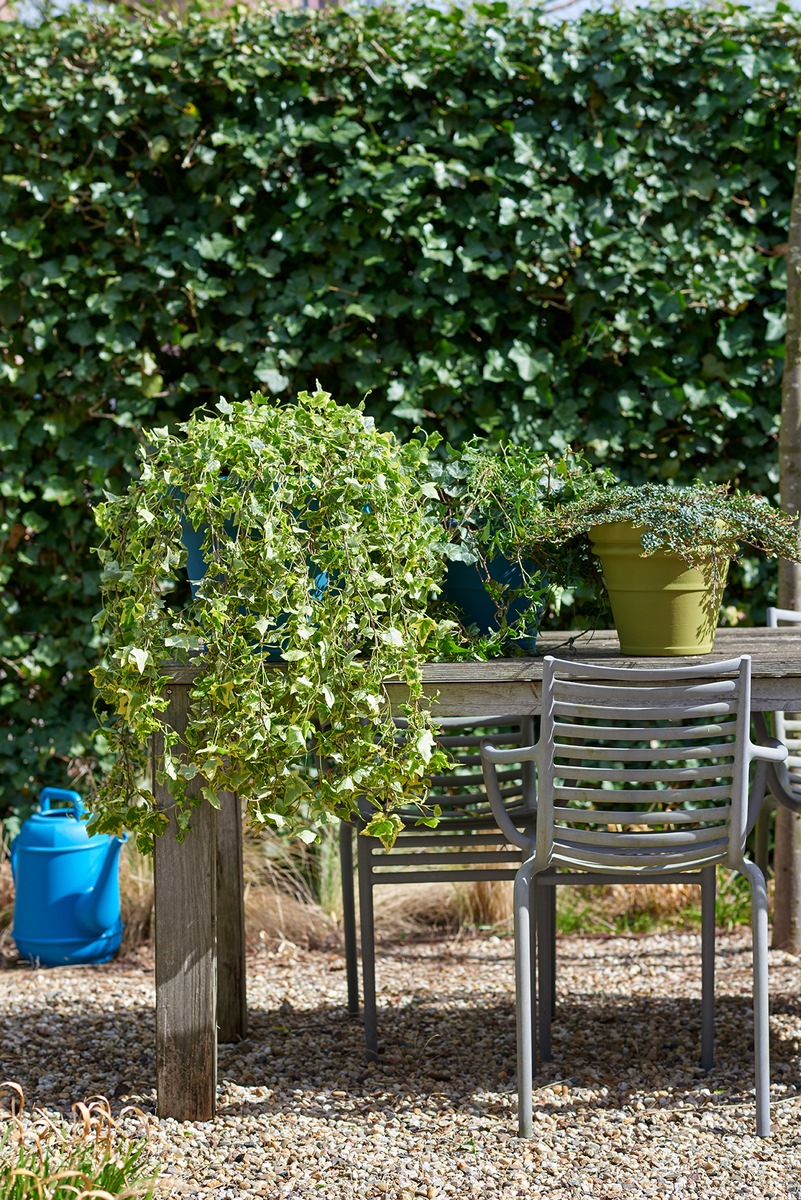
column 494, row 502
column 554, row 234
column 322, row 556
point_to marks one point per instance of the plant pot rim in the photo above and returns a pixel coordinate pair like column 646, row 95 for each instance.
column 606, row 533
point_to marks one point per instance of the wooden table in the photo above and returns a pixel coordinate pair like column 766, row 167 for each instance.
column 199, row 919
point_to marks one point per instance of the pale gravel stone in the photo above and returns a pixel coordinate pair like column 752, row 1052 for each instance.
column 623, row 1110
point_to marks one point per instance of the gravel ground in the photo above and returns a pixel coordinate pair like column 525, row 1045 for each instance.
column 621, row 1111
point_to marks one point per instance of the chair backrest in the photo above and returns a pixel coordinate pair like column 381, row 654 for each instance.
column 462, row 789
column 787, row 726
column 643, row 770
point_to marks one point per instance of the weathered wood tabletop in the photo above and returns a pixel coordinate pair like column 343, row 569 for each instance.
column 199, row 919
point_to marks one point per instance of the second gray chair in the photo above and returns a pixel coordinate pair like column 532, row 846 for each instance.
column 465, row 846
column 784, row 779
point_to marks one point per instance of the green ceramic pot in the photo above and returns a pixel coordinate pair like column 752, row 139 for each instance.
column 661, row 605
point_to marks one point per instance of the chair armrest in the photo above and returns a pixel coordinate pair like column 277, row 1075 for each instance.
column 490, row 756
column 781, row 787
column 778, row 777
column 512, row 754
column 771, row 750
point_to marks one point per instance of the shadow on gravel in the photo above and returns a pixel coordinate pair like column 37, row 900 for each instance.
column 436, row 1053
column 431, row 1054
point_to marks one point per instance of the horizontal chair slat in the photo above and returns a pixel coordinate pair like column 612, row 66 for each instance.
column 634, row 774
column 572, row 669
column 481, row 875
column 455, row 812
column 647, row 839
column 475, row 856
column 683, row 816
column 643, row 753
column 470, row 778
column 456, row 840
column 670, row 875
column 496, row 739
column 641, row 795
column 604, row 693
column 470, row 760
column 471, row 799
column 643, row 712
column 463, row 827
column 588, row 858
column 668, row 733
column 452, row 807
column 497, row 721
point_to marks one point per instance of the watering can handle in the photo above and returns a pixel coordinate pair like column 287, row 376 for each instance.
column 49, row 793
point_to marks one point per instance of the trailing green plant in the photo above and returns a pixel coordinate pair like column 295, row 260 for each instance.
column 702, row 523
column 323, row 554
column 493, row 500
column 45, row 1159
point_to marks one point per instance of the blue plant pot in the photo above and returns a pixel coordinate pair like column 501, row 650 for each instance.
column 196, row 565
column 197, row 568
column 463, row 587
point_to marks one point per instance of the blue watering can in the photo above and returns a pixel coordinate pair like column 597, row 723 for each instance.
column 67, row 892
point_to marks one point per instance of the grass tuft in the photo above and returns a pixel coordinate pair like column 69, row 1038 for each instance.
column 90, row 1158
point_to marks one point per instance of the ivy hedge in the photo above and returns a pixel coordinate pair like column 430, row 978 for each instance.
column 492, row 223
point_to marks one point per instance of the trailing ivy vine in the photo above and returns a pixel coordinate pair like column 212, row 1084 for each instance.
column 322, row 555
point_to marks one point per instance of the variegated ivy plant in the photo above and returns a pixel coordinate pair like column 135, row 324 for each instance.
column 323, row 554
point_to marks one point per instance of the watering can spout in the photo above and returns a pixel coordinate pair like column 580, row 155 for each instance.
column 98, row 909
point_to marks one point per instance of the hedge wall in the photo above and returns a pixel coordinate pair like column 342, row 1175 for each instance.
column 554, row 233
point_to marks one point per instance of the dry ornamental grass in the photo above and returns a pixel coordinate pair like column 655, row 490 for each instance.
column 43, row 1157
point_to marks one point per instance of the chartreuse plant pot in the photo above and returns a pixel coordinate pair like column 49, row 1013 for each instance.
column 660, row 604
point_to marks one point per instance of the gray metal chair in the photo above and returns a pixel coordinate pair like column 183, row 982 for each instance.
column 642, row 775
column 465, row 846
column 784, row 779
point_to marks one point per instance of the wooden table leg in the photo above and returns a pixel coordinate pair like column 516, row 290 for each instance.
column 232, row 1008
column 185, row 911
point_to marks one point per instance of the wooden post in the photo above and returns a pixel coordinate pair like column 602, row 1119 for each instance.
column 185, row 876
column 787, row 855
column 232, row 1008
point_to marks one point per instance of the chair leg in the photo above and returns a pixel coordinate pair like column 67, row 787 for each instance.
column 349, row 915
column 552, row 910
column 708, row 896
column 367, row 922
column 759, row 919
column 543, row 895
column 533, row 968
column 761, row 832
column 525, row 999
